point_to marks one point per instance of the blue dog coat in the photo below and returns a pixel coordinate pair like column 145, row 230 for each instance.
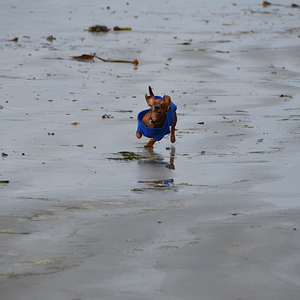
column 156, row 133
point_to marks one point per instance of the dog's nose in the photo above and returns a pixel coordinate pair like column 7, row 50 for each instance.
column 156, row 107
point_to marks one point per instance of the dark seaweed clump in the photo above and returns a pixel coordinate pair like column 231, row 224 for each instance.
column 98, row 28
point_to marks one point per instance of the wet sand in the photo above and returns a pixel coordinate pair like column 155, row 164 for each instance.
column 213, row 216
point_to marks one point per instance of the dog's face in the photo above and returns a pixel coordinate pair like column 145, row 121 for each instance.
column 159, row 106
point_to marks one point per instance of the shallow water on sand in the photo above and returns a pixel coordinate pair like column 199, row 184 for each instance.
column 223, row 64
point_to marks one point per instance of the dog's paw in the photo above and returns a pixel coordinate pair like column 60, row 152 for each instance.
column 138, row 135
column 148, row 146
column 173, row 140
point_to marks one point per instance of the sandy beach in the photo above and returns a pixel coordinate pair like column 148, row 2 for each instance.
column 214, row 215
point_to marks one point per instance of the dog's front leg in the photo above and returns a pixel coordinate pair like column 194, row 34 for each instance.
column 172, row 138
column 150, row 143
column 138, row 135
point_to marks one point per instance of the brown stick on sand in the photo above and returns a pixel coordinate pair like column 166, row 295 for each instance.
column 84, row 57
column 135, row 62
column 90, row 57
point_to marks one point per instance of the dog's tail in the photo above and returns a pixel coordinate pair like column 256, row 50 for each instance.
column 150, row 91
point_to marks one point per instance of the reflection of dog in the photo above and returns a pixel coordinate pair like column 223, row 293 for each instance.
column 155, row 122
column 158, row 160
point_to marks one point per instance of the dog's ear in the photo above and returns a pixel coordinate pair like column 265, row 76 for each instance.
column 150, row 91
column 149, row 99
column 167, row 99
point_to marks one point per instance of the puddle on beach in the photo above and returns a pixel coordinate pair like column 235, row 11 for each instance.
column 154, row 185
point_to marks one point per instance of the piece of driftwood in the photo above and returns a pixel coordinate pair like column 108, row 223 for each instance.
column 84, row 57
column 90, row 57
column 117, row 28
column 135, row 62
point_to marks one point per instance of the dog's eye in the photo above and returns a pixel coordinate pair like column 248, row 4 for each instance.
column 163, row 105
column 154, row 103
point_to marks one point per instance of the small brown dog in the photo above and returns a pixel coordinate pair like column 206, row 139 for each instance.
column 155, row 122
